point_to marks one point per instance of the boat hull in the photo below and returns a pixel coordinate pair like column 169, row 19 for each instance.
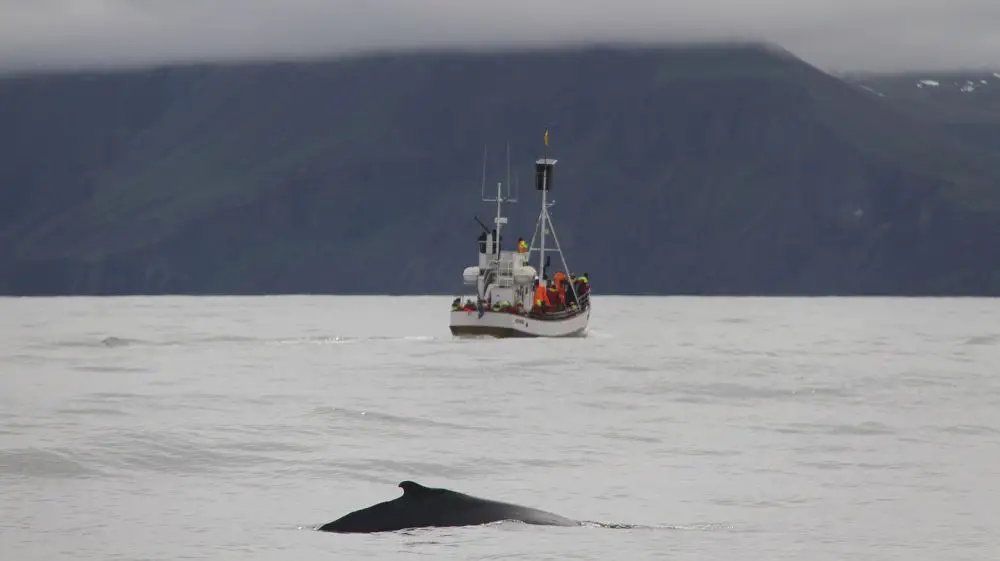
column 504, row 325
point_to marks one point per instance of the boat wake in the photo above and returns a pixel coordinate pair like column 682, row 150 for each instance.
column 687, row 527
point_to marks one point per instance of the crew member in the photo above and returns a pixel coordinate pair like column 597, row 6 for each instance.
column 522, row 246
column 560, row 279
column 570, row 296
column 541, row 295
column 553, row 293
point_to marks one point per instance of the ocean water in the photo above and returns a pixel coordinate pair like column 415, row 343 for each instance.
column 700, row 428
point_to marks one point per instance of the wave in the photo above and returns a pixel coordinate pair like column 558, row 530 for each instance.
column 116, row 342
column 989, row 340
column 48, row 464
column 343, row 413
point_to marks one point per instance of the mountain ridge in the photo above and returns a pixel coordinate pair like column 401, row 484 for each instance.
column 717, row 169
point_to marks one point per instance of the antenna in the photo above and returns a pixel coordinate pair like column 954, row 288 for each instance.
column 509, row 198
column 508, row 171
column 482, row 189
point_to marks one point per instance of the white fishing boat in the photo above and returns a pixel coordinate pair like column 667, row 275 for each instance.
column 508, row 302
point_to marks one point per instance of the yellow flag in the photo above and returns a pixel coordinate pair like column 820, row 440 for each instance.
column 546, row 137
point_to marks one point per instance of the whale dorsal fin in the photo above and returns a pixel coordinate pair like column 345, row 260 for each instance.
column 413, row 489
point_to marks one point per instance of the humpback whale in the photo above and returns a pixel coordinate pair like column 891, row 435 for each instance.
column 421, row 507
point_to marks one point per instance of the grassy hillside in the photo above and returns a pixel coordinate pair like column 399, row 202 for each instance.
column 722, row 169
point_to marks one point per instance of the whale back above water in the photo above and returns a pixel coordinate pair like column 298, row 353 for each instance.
column 421, row 506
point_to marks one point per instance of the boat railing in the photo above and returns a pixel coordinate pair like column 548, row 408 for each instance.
column 469, row 303
column 583, row 302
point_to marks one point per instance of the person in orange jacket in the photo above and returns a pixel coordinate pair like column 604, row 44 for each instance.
column 560, row 280
column 541, row 296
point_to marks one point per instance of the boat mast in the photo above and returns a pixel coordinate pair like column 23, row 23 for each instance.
column 543, row 176
column 497, row 222
column 500, row 219
column 544, row 169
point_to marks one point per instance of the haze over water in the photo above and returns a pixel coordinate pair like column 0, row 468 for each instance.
column 716, row 428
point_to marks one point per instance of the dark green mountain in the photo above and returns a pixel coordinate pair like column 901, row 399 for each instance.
column 734, row 169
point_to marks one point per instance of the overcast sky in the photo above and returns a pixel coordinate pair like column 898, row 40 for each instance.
column 833, row 34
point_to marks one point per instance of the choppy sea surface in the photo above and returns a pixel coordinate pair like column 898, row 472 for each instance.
column 705, row 428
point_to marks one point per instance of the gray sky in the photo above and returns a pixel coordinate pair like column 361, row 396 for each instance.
column 833, row 34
